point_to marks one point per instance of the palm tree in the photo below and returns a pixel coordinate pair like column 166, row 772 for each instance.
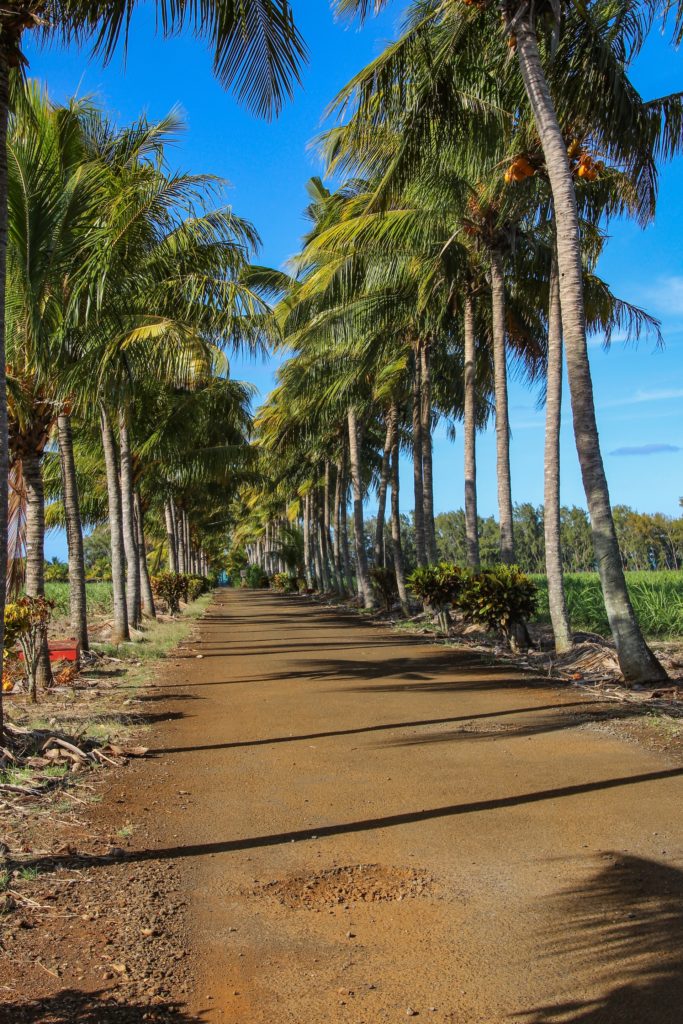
column 551, row 492
column 635, row 658
column 257, row 51
column 54, row 195
column 598, row 45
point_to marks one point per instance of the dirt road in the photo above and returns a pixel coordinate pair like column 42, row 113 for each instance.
column 343, row 824
column 369, row 828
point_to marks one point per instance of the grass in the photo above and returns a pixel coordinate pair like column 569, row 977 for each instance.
column 98, row 596
column 158, row 638
column 28, row 874
column 657, row 599
column 16, row 776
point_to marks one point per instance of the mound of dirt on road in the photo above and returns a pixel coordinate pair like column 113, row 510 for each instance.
column 357, row 883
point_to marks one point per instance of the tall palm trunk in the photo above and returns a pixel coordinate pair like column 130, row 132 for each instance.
column 321, row 537
column 427, row 469
column 171, row 541
column 500, row 384
column 344, row 526
column 185, row 520
column 471, row 518
column 637, row 662
column 396, row 546
column 337, row 545
column 35, row 552
column 180, row 538
column 130, row 543
column 379, row 549
column 324, row 560
column 146, row 595
column 420, row 547
column 4, row 455
column 551, row 511
column 308, row 565
column 74, row 533
column 329, row 551
column 364, row 584
column 120, row 631
column 315, row 538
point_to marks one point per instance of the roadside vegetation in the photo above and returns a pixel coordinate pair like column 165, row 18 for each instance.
column 453, row 242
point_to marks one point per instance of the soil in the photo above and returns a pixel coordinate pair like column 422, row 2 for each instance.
column 337, row 823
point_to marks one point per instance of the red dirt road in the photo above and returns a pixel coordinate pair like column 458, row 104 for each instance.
column 377, row 828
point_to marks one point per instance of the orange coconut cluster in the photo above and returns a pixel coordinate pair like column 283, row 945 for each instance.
column 584, row 165
column 519, row 169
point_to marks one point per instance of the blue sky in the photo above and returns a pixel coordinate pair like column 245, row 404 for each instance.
column 639, row 390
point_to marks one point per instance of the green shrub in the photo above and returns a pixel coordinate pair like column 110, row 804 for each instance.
column 171, row 587
column 384, row 583
column 500, row 598
column 256, row 577
column 26, row 621
column 284, row 582
column 438, row 587
column 196, row 586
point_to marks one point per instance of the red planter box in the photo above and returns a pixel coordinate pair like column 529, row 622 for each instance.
column 61, row 650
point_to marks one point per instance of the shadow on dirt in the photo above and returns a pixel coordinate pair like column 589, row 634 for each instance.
column 626, row 924
column 368, row 729
column 350, row 827
column 73, row 1007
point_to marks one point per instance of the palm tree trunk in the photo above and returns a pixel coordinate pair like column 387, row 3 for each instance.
column 420, row 547
column 185, row 520
column 382, row 497
column 35, row 553
column 500, row 384
column 396, row 546
column 551, row 512
column 322, row 547
column 146, row 595
column 364, row 584
column 171, row 541
column 182, row 546
column 636, row 660
column 329, row 551
column 321, row 537
column 344, row 526
column 4, row 455
column 427, row 470
column 471, row 518
column 308, row 566
column 315, row 538
column 337, row 545
column 74, row 533
column 120, row 630
column 130, row 543
column 180, row 537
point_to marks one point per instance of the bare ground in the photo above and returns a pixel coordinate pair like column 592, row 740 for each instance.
column 341, row 824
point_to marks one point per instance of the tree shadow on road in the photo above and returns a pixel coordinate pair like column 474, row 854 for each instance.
column 624, row 928
column 71, row 1006
column 232, row 845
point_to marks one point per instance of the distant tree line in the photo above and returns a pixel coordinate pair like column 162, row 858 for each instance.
column 646, row 541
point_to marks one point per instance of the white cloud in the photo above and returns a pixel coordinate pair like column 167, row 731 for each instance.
column 656, row 395
column 666, row 294
column 647, row 449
